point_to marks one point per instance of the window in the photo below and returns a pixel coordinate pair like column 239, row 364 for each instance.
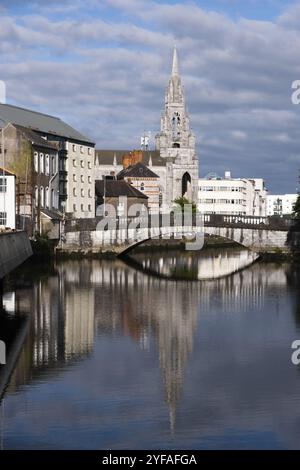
column 74, row 178
column 82, row 193
column 82, row 164
column 74, row 148
column 47, row 197
column 89, row 207
column 36, row 161
column 41, row 163
column 82, row 178
column 42, row 196
column 62, row 164
column 53, row 165
column 82, row 207
column 74, row 192
column 89, row 151
column 3, row 218
column 36, row 196
column 52, row 198
column 81, row 149
column 74, row 162
column 89, row 179
column 74, row 208
column 89, row 165
column 90, row 193
column 3, row 185
column 47, row 165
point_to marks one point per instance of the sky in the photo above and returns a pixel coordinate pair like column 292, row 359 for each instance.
column 103, row 66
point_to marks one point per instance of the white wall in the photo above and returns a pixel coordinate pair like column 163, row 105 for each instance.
column 81, row 180
column 281, row 204
column 232, row 196
column 8, row 201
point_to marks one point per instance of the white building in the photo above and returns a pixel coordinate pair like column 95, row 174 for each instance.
column 281, row 204
column 7, row 200
column 233, row 196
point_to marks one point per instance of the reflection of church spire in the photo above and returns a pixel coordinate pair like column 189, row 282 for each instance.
column 175, row 333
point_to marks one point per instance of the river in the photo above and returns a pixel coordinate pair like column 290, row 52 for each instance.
column 166, row 351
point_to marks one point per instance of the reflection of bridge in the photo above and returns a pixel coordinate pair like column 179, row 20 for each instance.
column 259, row 234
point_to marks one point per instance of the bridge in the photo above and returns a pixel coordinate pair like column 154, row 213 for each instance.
column 259, row 234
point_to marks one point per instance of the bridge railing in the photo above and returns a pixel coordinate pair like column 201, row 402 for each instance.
column 198, row 220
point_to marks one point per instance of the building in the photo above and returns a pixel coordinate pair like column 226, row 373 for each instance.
column 34, row 161
column 234, row 196
column 281, row 204
column 76, row 155
column 174, row 160
column 118, row 194
column 143, row 179
column 176, row 143
column 7, row 199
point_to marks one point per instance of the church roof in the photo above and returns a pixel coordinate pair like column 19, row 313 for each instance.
column 139, row 170
column 106, row 157
column 117, row 188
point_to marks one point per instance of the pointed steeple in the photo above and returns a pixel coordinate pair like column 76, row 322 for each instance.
column 175, row 67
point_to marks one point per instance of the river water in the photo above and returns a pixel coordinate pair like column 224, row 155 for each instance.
column 167, row 351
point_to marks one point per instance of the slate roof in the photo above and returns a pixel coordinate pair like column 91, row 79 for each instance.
column 43, row 123
column 139, row 170
column 35, row 138
column 106, row 157
column 116, row 188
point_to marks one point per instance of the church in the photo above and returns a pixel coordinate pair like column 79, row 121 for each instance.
column 174, row 160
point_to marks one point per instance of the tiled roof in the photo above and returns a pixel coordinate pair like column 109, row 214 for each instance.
column 116, row 188
column 106, row 157
column 39, row 122
column 139, row 170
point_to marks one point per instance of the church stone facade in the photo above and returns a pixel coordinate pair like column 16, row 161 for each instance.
column 174, row 160
column 176, row 142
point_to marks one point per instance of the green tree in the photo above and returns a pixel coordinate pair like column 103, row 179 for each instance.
column 296, row 213
column 182, row 201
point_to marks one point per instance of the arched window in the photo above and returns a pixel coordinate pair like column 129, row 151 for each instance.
column 42, row 196
column 47, row 197
column 36, row 196
column 41, row 163
column 53, row 165
column 36, row 161
column 186, row 181
column 47, row 165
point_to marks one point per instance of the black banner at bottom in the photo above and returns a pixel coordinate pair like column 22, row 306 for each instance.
column 134, row 459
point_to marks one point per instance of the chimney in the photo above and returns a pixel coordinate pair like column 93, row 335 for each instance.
column 132, row 158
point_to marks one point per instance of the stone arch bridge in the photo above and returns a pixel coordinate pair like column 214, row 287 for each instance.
column 259, row 234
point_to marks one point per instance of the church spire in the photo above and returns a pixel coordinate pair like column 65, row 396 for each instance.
column 175, row 67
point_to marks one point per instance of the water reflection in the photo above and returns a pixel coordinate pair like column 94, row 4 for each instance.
column 81, row 307
column 206, row 264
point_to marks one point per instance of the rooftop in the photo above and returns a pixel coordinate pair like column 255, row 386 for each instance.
column 139, row 170
column 42, row 123
column 106, row 157
column 117, row 188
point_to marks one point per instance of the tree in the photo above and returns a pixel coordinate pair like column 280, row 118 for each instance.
column 182, row 201
column 296, row 213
